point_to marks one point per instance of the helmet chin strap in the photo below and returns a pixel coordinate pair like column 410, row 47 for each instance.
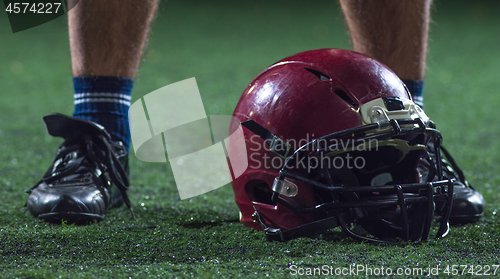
column 277, row 234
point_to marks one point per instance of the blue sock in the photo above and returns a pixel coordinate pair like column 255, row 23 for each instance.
column 416, row 88
column 106, row 101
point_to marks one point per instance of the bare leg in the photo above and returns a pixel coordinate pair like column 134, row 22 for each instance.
column 107, row 37
column 395, row 32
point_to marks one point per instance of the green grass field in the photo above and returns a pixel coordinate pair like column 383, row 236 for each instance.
column 224, row 45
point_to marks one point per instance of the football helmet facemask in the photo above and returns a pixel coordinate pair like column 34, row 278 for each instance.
column 334, row 139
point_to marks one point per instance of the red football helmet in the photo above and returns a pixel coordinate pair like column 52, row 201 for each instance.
column 333, row 139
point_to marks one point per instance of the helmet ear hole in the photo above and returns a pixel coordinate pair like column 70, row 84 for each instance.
column 259, row 191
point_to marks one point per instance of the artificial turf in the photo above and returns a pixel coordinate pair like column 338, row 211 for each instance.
column 224, row 44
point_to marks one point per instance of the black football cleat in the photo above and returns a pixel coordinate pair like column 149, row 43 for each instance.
column 89, row 174
column 468, row 204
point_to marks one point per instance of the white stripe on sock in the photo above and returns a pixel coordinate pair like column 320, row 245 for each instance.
column 111, row 95
column 102, row 100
